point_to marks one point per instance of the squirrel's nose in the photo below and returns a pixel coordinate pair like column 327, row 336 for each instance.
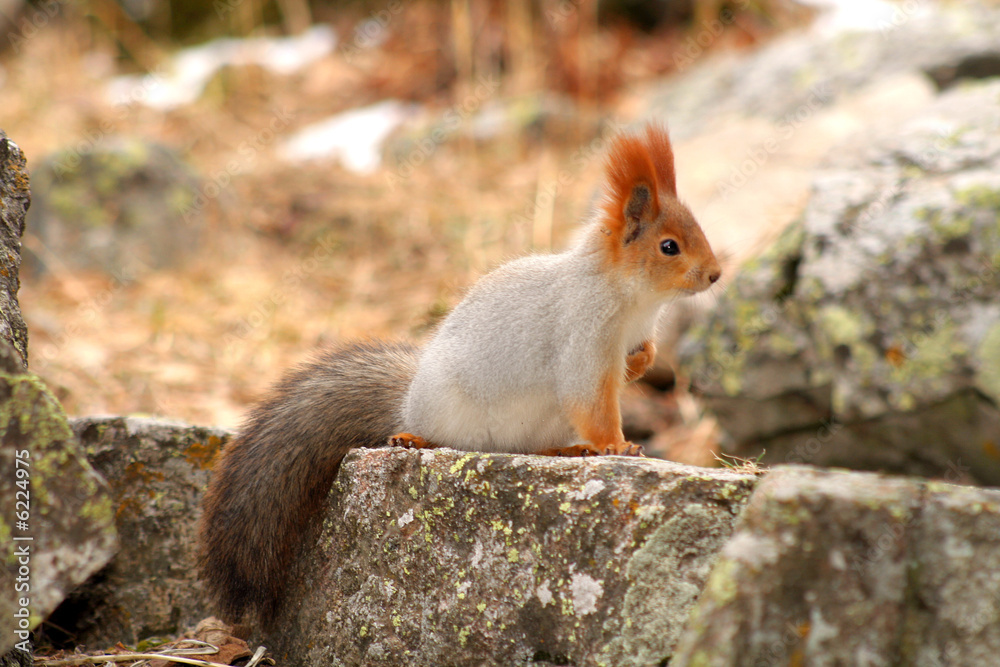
column 714, row 276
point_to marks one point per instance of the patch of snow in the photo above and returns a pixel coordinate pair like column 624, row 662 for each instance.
column 353, row 137
column 838, row 16
column 183, row 79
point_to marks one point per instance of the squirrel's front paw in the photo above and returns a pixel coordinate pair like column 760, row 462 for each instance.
column 625, row 449
column 409, row 441
column 639, row 360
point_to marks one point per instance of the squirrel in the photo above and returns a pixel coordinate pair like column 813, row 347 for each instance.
column 532, row 360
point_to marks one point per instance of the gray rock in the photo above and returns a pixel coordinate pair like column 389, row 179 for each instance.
column 117, row 204
column 16, row 658
column 836, row 568
column 445, row 557
column 68, row 530
column 157, row 471
column 58, row 524
column 803, row 71
column 869, row 335
column 14, row 201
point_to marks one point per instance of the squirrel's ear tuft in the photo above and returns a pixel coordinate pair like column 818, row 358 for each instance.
column 662, row 155
column 638, row 169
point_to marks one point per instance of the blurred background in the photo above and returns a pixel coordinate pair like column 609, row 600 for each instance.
column 219, row 188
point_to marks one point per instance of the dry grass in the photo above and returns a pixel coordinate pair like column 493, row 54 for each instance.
column 201, row 342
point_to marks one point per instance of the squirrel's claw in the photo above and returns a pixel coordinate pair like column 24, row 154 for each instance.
column 624, row 449
column 409, row 441
column 587, row 449
column 633, row 450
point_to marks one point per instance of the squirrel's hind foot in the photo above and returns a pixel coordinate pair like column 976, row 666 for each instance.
column 588, row 449
column 410, row 441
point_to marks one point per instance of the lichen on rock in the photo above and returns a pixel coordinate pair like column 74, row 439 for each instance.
column 443, row 557
column 69, row 533
column 827, row 566
column 873, row 317
column 157, row 471
column 15, row 198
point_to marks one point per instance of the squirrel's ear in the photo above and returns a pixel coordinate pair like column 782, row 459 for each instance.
column 662, row 155
column 638, row 210
column 631, row 187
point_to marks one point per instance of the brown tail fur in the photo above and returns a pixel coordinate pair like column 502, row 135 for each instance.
column 271, row 480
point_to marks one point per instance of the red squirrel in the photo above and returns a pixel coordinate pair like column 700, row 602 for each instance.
column 532, row 360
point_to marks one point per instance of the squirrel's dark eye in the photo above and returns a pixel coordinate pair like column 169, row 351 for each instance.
column 669, row 247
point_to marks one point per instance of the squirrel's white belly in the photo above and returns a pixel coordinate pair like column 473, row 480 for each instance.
column 524, row 423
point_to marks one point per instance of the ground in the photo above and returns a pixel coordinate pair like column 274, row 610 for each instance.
column 295, row 256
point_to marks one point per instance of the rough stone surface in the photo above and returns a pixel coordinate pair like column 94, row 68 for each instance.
column 14, row 201
column 121, row 205
column 69, row 528
column 157, row 471
column 16, row 658
column 869, row 335
column 445, row 557
column 807, row 70
column 837, row 568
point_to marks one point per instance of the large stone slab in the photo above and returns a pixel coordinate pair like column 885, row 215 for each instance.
column 838, row 568
column 868, row 336
column 804, row 70
column 445, row 557
column 58, row 523
column 14, row 201
column 157, row 471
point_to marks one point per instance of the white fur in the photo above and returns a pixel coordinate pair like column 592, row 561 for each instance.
column 530, row 339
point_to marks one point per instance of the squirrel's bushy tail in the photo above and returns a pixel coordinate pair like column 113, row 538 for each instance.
column 271, row 479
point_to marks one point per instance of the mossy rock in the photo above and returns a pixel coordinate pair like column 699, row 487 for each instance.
column 869, row 336
column 118, row 204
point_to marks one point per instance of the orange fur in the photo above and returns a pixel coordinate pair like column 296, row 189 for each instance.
column 637, row 160
column 641, row 209
column 600, row 422
column 661, row 152
column 410, row 441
